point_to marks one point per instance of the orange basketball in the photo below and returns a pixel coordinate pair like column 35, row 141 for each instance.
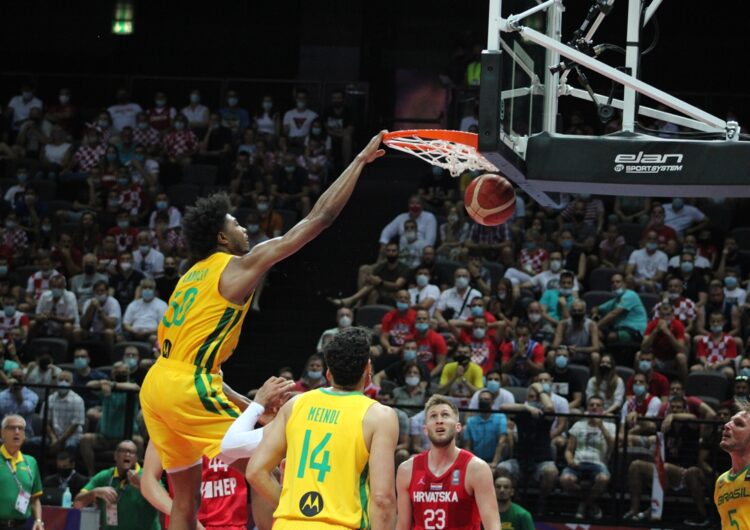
column 490, row 200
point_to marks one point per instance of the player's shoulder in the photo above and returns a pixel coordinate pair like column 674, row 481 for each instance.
column 380, row 412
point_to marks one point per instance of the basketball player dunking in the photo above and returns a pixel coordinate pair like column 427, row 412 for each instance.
column 445, row 487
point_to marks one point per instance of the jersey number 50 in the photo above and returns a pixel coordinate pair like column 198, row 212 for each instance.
column 180, row 309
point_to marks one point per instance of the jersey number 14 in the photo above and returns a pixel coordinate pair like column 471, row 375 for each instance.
column 318, row 458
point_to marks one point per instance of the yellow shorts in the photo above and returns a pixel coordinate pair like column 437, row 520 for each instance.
column 298, row 524
column 186, row 412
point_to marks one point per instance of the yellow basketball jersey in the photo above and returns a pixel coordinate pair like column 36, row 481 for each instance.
column 732, row 498
column 326, row 480
column 200, row 326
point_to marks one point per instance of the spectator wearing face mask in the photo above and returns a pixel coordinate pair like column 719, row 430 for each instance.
column 556, row 302
column 66, row 416
column 550, row 278
column 83, row 373
column 137, row 368
column 20, row 105
column 180, row 144
column 565, row 384
column 424, row 294
column 486, row 433
column 684, row 308
column 82, row 285
column 195, row 113
column 717, row 303
column 42, row 372
column 398, row 324
column 733, row 293
column 412, row 394
column 522, row 358
column 647, row 266
column 657, row 384
column 606, row 384
column 65, row 475
column 665, row 336
column 540, row 329
column 639, row 405
column 147, row 260
column 493, row 385
column 298, row 120
column 454, row 303
column 233, row 116
column 684, row 218
column 124, row 111
column 410, row 246
column 481, row 343
column 579, row 335
column 126, row 281
column 533, row 258
column 391, row 367
column 267, row 120
column 111, row 427
column 270, row 220
column 11, row 317
column 314, row 375
column 426, row 224
column 143, row 314
column 431, row 347
column 623, row 317
column 14, row 237
column 344, row 319
column 717, row 350
column 101, row 316
column 462, row 329
column 56, row 312
column 161, row 115
column 162, row 205
column 18, row 399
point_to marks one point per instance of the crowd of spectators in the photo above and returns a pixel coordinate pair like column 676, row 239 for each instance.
column 619, row 307
column 627, row 308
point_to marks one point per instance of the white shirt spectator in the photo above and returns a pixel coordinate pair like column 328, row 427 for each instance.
column 561, row 407
column 175, row 218
column 111, row 308
column 150, row 265
column 37, row 376
column 199, row 114
column 647, row 265
column 13, row 192
column 38, row 282
column 299, row 122
column 416, row 428
column 591, row 447
column 67, row 411
column 419, row 295
column 65, row 307
column 700, row 262
column 451, row 298
column 56, row 153
column 123, row 115
column 737, row 296
column 22, row 109
column 503, row 398
column 83, row 286
column 141, row 315
column 680, row 220
column 410, row 253
column 426, row 228
column 7, row 323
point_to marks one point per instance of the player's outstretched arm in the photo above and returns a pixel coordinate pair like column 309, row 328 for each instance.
column 381, row 422
column 403, row 479
column 241, row 275
column 271, row 450
column 151, row 487
column 480, row 482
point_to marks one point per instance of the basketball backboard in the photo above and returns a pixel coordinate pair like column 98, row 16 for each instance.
column 528, row 65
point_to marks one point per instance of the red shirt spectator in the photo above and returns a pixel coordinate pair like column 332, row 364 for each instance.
column 88, row 156
column 148, row 137
column 662, row 347
column 684, row 309
column 531, row 260
column 658, row 385
column 39, row 282
column 125, row 237
column 399, row 325
column 180, row 143
column 132, row 198
column 431, row 348
column 534, row 351
column 715, row 350
column 160, row 118
column 693, row 406
column 17, row 320
column 483, row 351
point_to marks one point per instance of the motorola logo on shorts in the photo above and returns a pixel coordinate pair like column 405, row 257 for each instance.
column 166, row 347
column 311, row 504
column 648, row 163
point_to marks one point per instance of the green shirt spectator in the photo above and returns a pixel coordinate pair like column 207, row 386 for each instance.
column 551, row 303
column 19, row 469
column 112, row 422
column 633, row 316
column 516, row 518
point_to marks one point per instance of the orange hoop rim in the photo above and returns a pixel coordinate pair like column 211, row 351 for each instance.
column 459, row 137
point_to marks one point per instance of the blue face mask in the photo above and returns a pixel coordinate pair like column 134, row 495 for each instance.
column 111, row 157
column 162, row 205
column 402, row 306
column 422, row 280
column 3, row 270
column 493, row 386
column 56, row 293
column 730, row 282
column 479, row 333
column 410, row 355
column 651, row 246
column 530, row 246
column 677, row 204
column 566, row 244
column 546, row 387
column 644, row 366
column 687, row 267
column 561, row 362
column 422, row 327
column 618, row 291
column 9, row 310
column 314, row 374
column 565, row 292
column 745, row 372
column 462, row 282
column 147, row 294
column 639, row 390
column 477, row 311
column 80, row 363
column 132, row 362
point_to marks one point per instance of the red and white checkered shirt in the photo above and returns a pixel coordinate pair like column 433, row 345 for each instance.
column 161, row 118
column 19, row 320
column 716, row 351
column 146, row 137
column 37, row 283
column 16, row 239
column 125, row 239
column 684, row 310
column 175, row 239
column 89, row 156
column 131, row 198
column 533, row 259
column 179, row 143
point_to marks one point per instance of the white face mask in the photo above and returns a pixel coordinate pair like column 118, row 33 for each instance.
column 535, row 317
column 555, row 265
column 345, row 321
column 412, row 380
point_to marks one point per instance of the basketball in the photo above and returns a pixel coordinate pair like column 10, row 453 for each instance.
column 490, row 200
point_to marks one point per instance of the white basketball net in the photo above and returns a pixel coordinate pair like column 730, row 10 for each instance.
column 453, row 156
